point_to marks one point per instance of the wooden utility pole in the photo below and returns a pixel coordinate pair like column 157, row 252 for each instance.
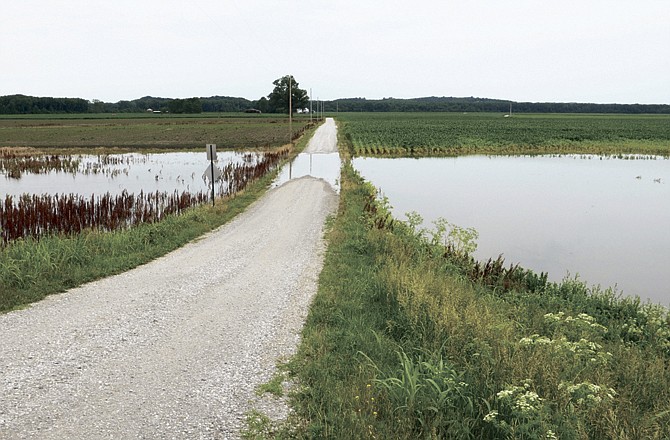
column 211, row 155
column 290, row 112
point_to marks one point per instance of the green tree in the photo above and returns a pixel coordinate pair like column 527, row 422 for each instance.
column 96, row 106
column 278, row 99
column 263, row 105
column 190, row 105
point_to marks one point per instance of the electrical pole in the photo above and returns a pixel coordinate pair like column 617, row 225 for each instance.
column 290, row 112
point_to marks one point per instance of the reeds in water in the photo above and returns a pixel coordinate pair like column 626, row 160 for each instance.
column 31, row 215
column 235, row 177
column 37, row 215
column 16, row 162
column 14, row 165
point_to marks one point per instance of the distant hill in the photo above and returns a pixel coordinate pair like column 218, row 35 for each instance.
column 22, row 104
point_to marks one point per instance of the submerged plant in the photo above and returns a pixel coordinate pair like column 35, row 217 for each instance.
column 37, row 215
column 14, row 165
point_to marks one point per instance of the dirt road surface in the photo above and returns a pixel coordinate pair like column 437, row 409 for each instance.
column 175, row 348
column 325, row 139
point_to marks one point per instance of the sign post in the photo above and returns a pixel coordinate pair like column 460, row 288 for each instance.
column 211, row 155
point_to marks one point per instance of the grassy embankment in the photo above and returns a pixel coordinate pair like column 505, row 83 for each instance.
column 450, row 134
column 407, row 339
column 31, row 269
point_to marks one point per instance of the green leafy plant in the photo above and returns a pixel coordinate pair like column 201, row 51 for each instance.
column 429, row 392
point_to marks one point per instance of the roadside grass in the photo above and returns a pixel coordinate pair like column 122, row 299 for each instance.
column 31, row 269
column 274, row 386
column 402, row 341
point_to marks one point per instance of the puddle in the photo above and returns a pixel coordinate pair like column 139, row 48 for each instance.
column 324, row 166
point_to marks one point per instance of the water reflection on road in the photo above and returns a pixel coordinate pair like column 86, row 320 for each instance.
column 324, row 166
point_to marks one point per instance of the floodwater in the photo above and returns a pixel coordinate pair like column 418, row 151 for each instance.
column 324, row 166
column 602, row 219
column 133, row 172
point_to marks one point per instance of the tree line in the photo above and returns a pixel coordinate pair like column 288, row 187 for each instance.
column 472, row 104
column 20, row 104
column 277, row 102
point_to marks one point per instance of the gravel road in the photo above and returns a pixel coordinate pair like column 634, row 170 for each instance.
column 175, row 348
column 325, row 139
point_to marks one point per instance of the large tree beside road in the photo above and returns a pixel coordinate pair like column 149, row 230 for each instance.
column 278, row 100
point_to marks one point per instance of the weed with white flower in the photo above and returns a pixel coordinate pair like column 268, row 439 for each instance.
column 521, row 413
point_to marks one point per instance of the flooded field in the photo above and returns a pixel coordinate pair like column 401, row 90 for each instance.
column 68, row 194
column 602, row 218
column 114, row 173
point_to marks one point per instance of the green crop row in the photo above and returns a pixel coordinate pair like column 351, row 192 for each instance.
column 427, row 134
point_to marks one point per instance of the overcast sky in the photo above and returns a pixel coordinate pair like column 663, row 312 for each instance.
column 525, row 50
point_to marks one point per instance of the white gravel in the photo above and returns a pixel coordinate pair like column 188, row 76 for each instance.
column 175, row 348
column 325, row 139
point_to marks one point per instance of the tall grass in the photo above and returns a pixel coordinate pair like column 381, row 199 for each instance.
column 402, row 341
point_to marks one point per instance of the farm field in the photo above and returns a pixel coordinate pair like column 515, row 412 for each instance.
column 148, row 131
column 450, row 134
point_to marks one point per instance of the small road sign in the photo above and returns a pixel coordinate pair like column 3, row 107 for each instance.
column 209, row 174
column 211, row 151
